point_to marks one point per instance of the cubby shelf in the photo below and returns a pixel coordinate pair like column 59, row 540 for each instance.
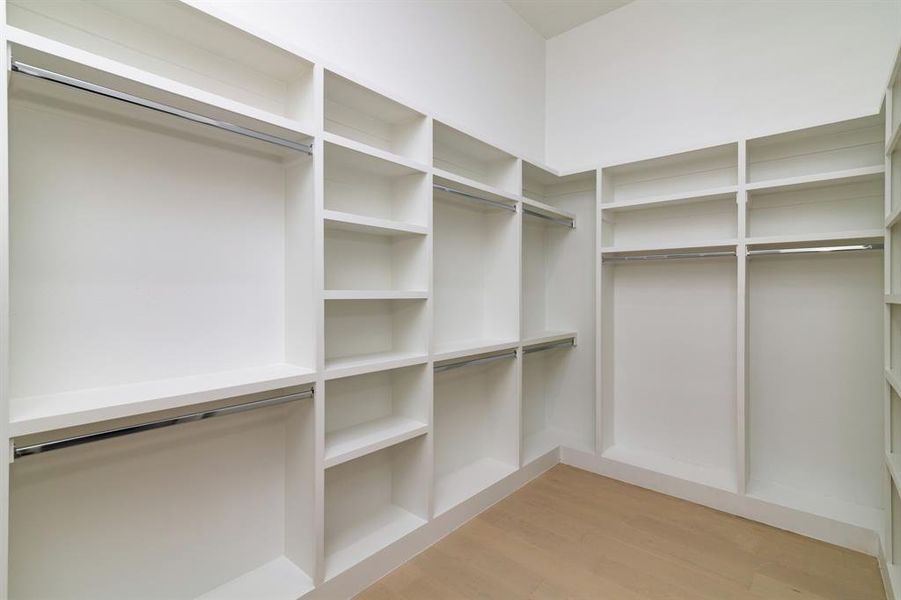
column 350, row 222
column 720, row 193
column 278, row 579
column 819, row 179
column 370, row 363
column 719, row 478
column 35, row 414
column 350, row 443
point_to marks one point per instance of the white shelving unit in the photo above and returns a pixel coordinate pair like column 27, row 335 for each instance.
column 462, row 318
column 891, row 473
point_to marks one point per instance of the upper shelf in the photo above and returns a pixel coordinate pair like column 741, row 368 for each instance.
column 177, row 43
column 546, row 188
column 688, row 175
column 810, row 155
column 49, row 59
column 355, row 112
column 464, row 155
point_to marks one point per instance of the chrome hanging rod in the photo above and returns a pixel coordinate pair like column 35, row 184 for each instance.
column 569, row 343
column 25, row 69
column 475, row 361
column 571, row 223
column 672, row 256
column 817, row 250
column 21, row 451
column 469, row 196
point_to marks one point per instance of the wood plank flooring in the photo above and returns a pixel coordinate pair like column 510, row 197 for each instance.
column 571, row 534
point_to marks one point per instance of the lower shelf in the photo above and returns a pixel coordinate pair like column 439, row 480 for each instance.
column 817, row 504
column 369, row 363
column 464, row 483
column 350, row 443
column 279, row 579
column 352, row 545
column 718, row 478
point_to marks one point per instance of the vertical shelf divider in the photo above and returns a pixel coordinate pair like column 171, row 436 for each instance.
column 741, row 331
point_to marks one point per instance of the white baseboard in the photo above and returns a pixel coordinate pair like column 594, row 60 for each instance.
column 815, row 526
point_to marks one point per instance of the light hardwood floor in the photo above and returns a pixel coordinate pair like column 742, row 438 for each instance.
column 573, row 534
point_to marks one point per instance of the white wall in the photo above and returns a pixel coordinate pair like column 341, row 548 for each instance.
column 656, row 77
column 475, row 63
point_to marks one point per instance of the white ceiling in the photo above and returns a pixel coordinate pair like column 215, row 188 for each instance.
column 553, row 17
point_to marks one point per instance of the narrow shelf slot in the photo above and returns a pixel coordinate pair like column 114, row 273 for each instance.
column 459, row 153
column 369, row 334
column 369, row 187
column 848, row 145
column 372, row 502
column 367, row 413
column 360, row 114
column 365, row 261
column 476, row 432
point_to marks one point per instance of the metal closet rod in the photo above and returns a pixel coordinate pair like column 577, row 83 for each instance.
column 475, row 361
column 569, row 343
column 565, row 222
column 816, row 250
column 670, row 256
column 32, row 71
column 469, row 196
column 59, row 444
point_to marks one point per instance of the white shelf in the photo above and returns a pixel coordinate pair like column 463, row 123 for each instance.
column 46, row 53
column 353, row 442
column 818, row 179
column 471, row 348
column 828, row 237
column 279, row 579
column 546, row 337
column 379, row 531
column 471, row 186
column 711, row 245
column 460, row 153
column 35, row 414
column 375, row 294
column 893, row 299
column 891, row 144
column 372, row 151
column 548, row 210
column 817, row 504
column 358, row 223
column 718, row 193
column 466, row 482
column 712, row 477
column 370, row 363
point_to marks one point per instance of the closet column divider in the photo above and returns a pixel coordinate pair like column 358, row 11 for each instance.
column 318, row 574
column 889, row 482
column 518, row 361
column 5, row 456
column 741, row 330
column 600, row 440
column 430, row 323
